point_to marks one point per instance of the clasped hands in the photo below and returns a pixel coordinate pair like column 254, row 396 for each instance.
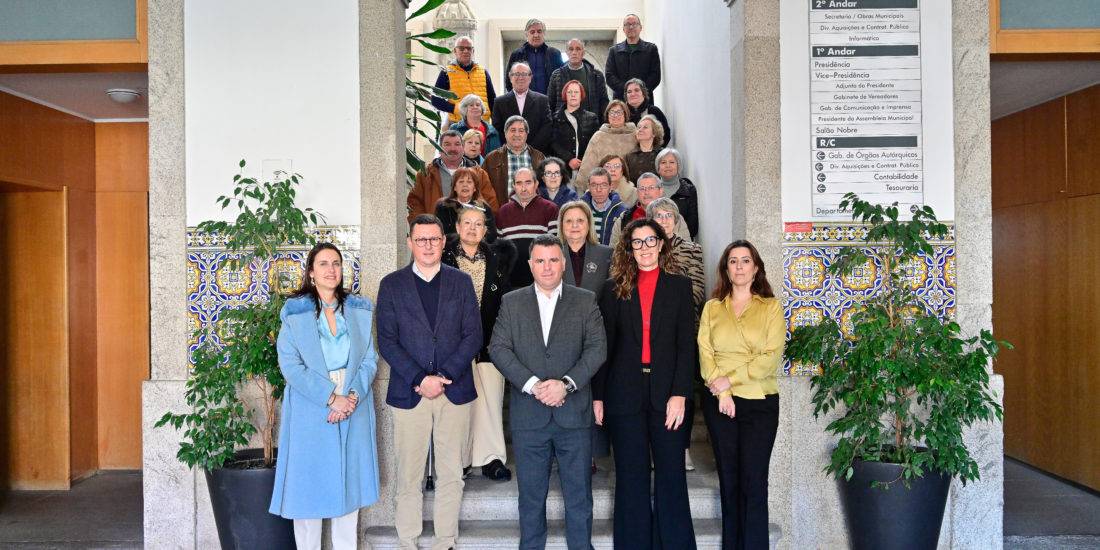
column 725, row 402
column 432, row 386
column 341, row 407
column 550, row 392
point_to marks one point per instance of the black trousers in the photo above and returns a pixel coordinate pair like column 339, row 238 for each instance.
column 667, row 525
column 742, row 451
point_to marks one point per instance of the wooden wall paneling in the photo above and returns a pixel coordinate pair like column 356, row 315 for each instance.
column 122, row 156
column 34, row 405
column 1044, row 151
column 1011, row 323
column 1007, row 140
column 1083, row 138
column 44, row 148
column 122, row 283
column 81, row 251
column 1083, row 214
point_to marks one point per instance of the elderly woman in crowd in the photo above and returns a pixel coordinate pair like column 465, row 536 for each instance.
column 641, row 104
column 464, row 194
column 471, row 147
column 649, row 190
column 670, row 166
column 689, row 256
column 650, row 134
column 641, row 392
column 328, row 463
column 741, row 338
column 615, row 137
column 489, row 265
column 471, row 108
column 552, row 173
column 586, row 265
column 620, row 179
column 573, row 127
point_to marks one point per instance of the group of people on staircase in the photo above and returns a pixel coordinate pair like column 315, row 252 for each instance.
column 557, row 258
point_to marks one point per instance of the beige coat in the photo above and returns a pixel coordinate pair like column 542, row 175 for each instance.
column 606, row 141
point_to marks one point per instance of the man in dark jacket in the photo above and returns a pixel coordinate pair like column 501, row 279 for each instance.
column 591, row 78
column 633, row 58
column 533, row 106
column 540, row 56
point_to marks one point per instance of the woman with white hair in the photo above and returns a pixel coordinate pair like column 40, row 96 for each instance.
column 670, row 167
column 472, row 108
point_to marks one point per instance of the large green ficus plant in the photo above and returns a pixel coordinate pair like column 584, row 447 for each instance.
column 907, row 382
column 218, row 421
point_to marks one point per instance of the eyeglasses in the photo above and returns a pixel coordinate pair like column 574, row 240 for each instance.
column 599, row 186
column 521, row 74
column 631, row 25
column 616, row 112
column 464, row 48
column 548, row 173
column 664, row 216
column 648, row 188
column 649, row 242
column 428, row 242
column 615, row 166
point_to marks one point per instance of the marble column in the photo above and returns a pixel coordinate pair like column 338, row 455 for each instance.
column 383, row 191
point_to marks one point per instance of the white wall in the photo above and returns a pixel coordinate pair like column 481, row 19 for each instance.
column 694, row 40
column 273, row 79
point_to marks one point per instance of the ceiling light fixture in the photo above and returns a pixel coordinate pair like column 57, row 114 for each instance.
column 123, row 95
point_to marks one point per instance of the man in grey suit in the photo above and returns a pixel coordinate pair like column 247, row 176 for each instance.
column 549, row 368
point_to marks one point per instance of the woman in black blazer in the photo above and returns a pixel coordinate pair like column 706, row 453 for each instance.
column 641, row 391
column 489, row 265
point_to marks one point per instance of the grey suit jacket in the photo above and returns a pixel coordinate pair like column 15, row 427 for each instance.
column 597, row 262
column 577, row 347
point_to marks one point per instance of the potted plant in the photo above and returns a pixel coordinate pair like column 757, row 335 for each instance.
column 905, row 384
column 237, row 357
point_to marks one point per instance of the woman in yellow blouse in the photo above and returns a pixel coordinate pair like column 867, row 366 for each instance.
column 741, row 336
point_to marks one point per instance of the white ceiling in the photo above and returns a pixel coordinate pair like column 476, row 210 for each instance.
column 81, row 94
column 1017, row 85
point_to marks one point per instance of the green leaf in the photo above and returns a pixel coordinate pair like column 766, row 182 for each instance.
column 427, row 7
column 433, row 47
column 241, row 164
column 437, row 34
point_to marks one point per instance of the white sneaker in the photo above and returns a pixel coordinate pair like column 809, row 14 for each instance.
column 688, row 464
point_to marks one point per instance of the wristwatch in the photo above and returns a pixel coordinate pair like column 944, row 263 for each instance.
column 570, row 387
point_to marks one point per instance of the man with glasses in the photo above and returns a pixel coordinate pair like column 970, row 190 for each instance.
column 605, row 204
column 464, row 77
column 633, row 58
column 540, row 57
column 649, row 190
column 524, row 101
column 524, row 217
column 429, row 331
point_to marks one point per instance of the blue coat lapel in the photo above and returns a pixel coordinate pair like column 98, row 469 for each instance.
column 355, row 356
column 309, row 341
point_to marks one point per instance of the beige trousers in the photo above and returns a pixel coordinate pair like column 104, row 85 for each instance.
column 446, row 426
column 486, row 441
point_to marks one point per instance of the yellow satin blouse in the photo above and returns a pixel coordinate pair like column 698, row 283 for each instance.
column 746, row 349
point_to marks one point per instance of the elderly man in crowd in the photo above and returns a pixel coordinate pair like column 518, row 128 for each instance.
column 633, row 58
column 433, row 182
column 539, row 56
column 533, row 106
column 501, row 165
column 524, row 217
column 464, row 77
column 583, row 71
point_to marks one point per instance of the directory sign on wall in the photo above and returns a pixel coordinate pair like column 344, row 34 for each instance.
column 866, row 106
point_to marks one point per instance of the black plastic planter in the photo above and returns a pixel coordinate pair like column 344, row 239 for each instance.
column 896, row 518
column 240, row 499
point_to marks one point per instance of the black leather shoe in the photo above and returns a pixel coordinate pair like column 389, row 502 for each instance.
column 496, row 471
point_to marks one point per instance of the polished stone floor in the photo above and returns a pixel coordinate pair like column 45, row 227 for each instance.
column 1041, row 512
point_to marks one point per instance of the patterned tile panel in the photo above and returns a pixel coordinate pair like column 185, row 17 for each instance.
column 811, row 294
column 214, row 285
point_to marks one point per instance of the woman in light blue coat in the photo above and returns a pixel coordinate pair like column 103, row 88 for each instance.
column 328, row 464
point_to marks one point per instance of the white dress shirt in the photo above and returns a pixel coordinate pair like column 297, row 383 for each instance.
column 547, row 304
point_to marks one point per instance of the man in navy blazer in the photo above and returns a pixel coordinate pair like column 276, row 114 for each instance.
column 429, row 330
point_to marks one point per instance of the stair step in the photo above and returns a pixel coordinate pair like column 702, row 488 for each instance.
column 485, row 499
column 501, row 534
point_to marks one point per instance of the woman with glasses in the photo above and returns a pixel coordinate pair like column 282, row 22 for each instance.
column 649, row 190
column 615, row 137
column 641, row 391
column 573, row 127
column 328, row 464
column 620, row 179
column 741, row 338
column 489, row 264
column 472, row 110
column 552, row 175
column 464, row 194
